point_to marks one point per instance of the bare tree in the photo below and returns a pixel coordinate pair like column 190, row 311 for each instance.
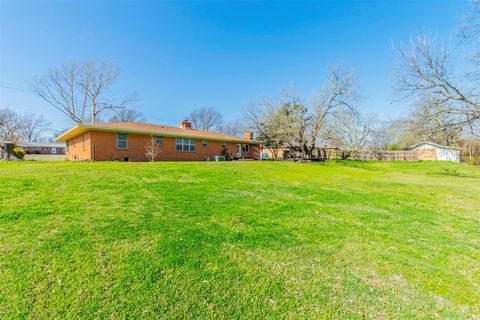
column 386, row 135
column 424, row 124
column 268, row 124
column 79, row 90
column 470, row 34
column 10, row 126
column 207, row 118
column 425, row 74
column 33, row 126
column 350, row 132
column 127, row 115
column 291, row 121
column 152, row 149
column 233, row 128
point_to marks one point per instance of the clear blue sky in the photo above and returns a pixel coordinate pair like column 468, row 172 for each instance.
column 180, row 56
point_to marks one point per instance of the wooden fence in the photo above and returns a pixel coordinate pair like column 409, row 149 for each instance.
column 404, row 155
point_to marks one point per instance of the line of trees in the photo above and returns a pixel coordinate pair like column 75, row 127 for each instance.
column 17, row 128
column 446, row 103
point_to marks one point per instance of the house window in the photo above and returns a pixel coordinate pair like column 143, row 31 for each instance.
column 158, row 140
column 245, row 148
column 122, row 141
column 204, row 143
column 185, row 145
column 224, row 145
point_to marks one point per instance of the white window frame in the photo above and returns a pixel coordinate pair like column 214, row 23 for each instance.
column 185, row 143
column 204, row 143
column 126, row 141
column 157, row 138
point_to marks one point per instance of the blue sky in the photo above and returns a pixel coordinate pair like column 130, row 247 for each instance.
column 179, row 56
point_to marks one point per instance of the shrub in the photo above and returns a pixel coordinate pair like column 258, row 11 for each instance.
column 474, row 161
column 393, row 147
column 19, row 152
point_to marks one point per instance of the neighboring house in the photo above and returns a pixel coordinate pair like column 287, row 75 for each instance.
column 432, row 151
column 43, row 148
column 127, row 141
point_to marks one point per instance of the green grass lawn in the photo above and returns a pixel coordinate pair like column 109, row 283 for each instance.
column 239, row 240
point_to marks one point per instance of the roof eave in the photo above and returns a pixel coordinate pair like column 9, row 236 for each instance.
column 66, row 135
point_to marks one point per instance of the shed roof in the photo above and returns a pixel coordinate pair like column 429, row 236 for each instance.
column 150, row 129
column 432, row 144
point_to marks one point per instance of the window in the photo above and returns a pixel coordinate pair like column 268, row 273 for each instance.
column 122, row 141
column 185, row 145
column 204, row 143
column 158, row 140
column 245, row 148
column 224, row 145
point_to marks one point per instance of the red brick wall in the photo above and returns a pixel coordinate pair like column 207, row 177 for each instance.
column 102, row 146
column 77, row 150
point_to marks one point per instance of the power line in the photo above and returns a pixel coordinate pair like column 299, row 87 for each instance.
column 15, row 87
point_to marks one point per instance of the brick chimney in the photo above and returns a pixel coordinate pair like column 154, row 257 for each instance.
column 185, row 124
column 249, row 135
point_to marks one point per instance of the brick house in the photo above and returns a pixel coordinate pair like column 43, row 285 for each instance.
column 127, row 141
column 43, row 148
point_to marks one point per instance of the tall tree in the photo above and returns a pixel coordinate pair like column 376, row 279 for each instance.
column 33, row 126
column 350, row 131
column 268, row 124
column 207, row 118
column 79, row 90
column 300, row 125
column 423, row 123
column 426, row 73
column 10, row 126
column 127, row 115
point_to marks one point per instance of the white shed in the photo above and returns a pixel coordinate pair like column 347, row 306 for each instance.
column 444, row 153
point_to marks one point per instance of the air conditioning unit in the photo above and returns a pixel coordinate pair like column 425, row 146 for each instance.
column 219, row 158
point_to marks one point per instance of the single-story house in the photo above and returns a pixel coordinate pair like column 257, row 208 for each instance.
column 43, row 148
column 431, row 151
column 128, row 141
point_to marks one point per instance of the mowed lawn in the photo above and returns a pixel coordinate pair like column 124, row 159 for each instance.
column 349, row 240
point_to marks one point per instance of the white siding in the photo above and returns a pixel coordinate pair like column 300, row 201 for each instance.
column 444, row 154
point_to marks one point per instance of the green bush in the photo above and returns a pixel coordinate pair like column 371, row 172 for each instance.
column 474, row 161
column 393, row 147
column 19, row 152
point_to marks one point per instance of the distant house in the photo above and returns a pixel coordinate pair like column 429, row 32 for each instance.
column 128, row 141
column 431, row 151
column 43, row 148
